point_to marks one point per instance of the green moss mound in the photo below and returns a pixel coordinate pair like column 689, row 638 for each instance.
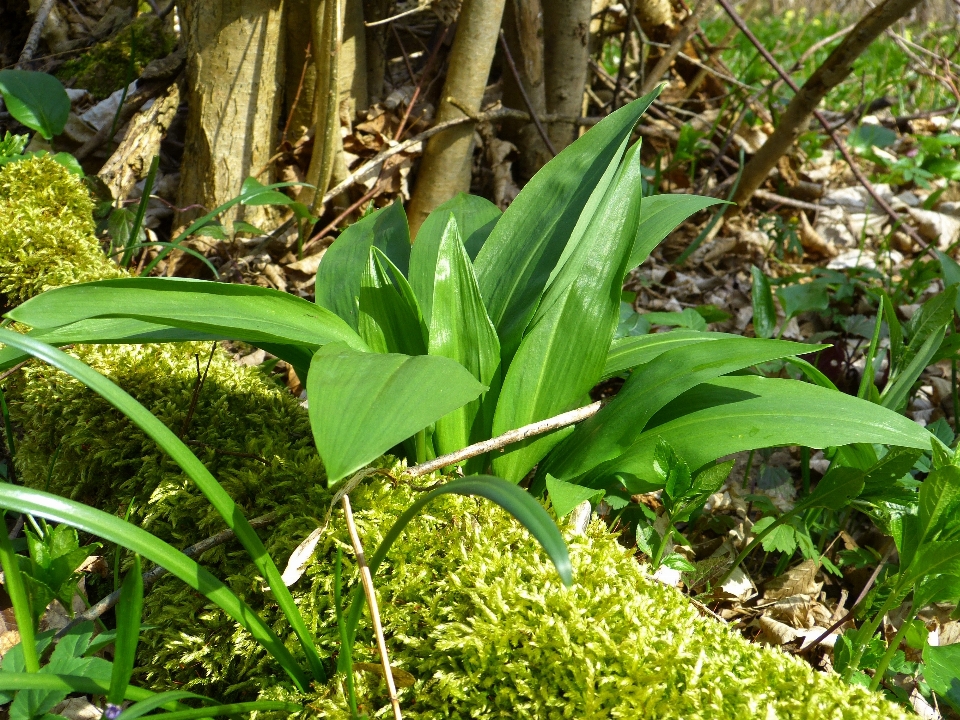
column 475, row 611
column 104, row 69
column 46, row 230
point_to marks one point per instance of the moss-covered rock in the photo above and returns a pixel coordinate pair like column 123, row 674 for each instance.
column 104, row 68
column 46, row 230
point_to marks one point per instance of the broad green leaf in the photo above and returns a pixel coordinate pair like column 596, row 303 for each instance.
column 939, row 557
column 896, row 393
column 941, row 671
column 389, row 318
column 650, row 387
column 835, row 490
column 129, row 611
column 459, row 329
column 125, row 534
column 880, row 480
column 661, row 215
column 520, row 254
column 362, row 404
column 803, row 297
column 563, row 353
column 738, row 413
column 951, row 273
column 565, row 497
column 339, row 273
column 241, row 312
column 933, row 317
column 476, row 217
column 36, row 99
column 938, row 589
column 764, row 313
column 197, row 472
column 689, row 318
column 628, row 352
column 939, row 501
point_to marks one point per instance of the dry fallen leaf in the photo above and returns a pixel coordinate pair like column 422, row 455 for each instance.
column 300, row 558
column 776, row 632
column 799, row 580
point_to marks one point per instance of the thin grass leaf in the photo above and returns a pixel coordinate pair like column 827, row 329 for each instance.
column 192, row 466
column 165, row 699
column 129, row 611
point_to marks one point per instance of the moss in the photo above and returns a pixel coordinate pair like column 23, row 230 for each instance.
column 104, row 69
column 474, row 610
column 46, row 230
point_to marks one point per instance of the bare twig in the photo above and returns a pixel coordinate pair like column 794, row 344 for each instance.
column 7, row 373
column 744, row 193
column 155, row 573
column 366, row 580
column 33, row 39
column 686, row 30
column 197, row 387
column 781, row 200
column 508, row 438
column 622, row 70
column 404, row 14
column 525, row 96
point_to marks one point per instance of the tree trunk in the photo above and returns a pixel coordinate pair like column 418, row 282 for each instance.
column 834, row 69
column 448, row 158
column 234, row 79
column 300, row 78
column 354, row 97
column 566, row 25
column 376, row 46
column 523, row 29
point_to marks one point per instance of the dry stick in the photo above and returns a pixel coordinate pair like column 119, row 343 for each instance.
column 666, row 60
column 509, row 437
column 129, row 109
column 523, row 94
column 841, row 146
column 423, row 74
column 33, row 39
column 367, row 580
column 621, row 71
column 11, row 371
column 774, row 198
column 155, row 573
column 197, row 387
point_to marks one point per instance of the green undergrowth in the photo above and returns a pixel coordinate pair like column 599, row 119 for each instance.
column 105, row 68
column 46, row 230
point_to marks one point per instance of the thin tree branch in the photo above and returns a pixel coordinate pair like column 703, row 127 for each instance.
column 33, row 39
column 508, row 438
column 744, row 193
column 689, row 26
column 367, row 581
column 523, row 94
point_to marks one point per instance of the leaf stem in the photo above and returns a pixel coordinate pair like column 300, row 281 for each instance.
column 891, row 651
column 13, row 581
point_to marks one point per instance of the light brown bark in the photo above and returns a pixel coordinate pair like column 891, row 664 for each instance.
column 234, row 81
column 566, row 35
column 834, row 69
column 447, row 161
column 354, row 97
column 523, row 29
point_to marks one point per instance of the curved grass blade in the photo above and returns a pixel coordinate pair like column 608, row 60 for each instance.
column 738, row 413
column 160, row 700
column 192, row 466
column 58, row 509
column 129, row 610
column 234, row 709
column 14, row 681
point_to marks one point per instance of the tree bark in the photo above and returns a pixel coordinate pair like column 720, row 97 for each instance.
column 448, row 157
column 523, row 29
column 834, row 69
column 566, row 35
column 354, row 97
column 300, row 78
column 234, row 80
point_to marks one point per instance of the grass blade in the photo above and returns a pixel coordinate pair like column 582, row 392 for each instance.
column 129, row 611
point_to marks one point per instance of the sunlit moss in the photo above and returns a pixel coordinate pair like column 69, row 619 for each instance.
column 46, row 230
column 105, row 68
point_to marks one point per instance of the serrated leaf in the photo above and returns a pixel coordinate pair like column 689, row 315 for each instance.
column 939, row 501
